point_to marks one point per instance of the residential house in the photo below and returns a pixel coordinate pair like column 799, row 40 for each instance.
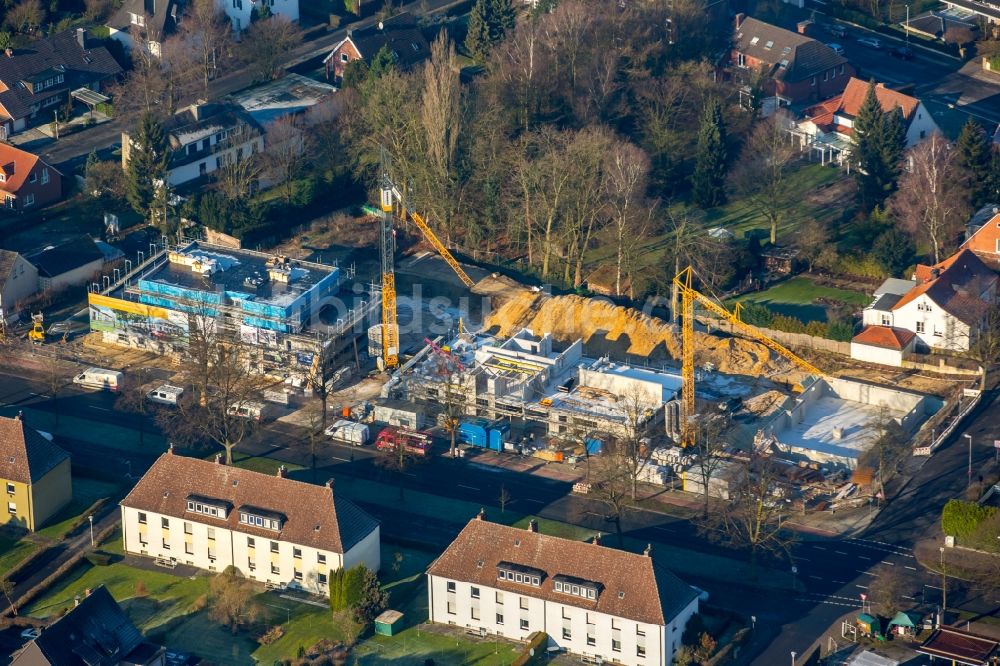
column 18, row 281
column 595, row 602
column 943, row 305
column 882, row 344
column 291, row 95
column 240, row 12
column 987, row 10
column 39, row 78
column 796, row 68
column 829, row 126
column 272, row 529
column 400, row 34
column 981, row 217
column 27, row 181
column 72, row 263
column 34, row 473
column 96, row 631
column 203, row 138
column 154, row 20
column 985, row 240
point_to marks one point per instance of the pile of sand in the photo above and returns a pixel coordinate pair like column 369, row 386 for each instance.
column 603, row 324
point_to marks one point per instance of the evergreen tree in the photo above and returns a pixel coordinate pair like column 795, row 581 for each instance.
column 879, row 142
column 148, row 156
column 382, row 63
column 892, row 149
column 502, row 19
column 709, row 178
column 975, row 158
column 477, row 39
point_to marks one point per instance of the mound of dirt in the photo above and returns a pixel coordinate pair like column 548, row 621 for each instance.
column 603, row 325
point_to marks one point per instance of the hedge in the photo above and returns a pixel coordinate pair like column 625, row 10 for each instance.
column 963, row 519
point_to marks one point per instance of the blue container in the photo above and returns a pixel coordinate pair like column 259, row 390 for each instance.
column 498, row 435
column 473, row 433
column 594, row 446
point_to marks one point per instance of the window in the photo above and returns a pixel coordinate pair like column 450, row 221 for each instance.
column 499, row 618
column 475, row 592
column 753, row 42
column 640, row 650
column 343, row 57
column 920, row 327
column 769, row 45
column 321, row 579
column 251, row 565
column 166, row 545
column 524, row 624
column 211, row 553
column 297, row 575
column 451, row 586
column 591, row 639
column 142, row 516
column 616, row 644
column 451, row 607
column 321, row 558
column 187, row 528
column 11, row 507
column 251, row 543
column 499, row 597
column 885, row 320
column 297, row 553
column 524, row 603
column 923, row 134
column 274, row 546
column 826, row 76
column 188, row 548
column 211, row 534
column 474, row 612
column 29, row 200
column 812, row 81
column 165, row 523
column 33, row 177
column 10, row 488
column 567, row 634
column 275, row 569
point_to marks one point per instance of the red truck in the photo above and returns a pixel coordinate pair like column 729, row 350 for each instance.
column 415, row 442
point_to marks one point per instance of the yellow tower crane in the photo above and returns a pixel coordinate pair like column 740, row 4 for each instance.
column 683, row 282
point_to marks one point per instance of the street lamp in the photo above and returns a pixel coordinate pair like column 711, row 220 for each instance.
column 907, row 31
column 969, row 437
column 91, row 518
column 793, row 658
column 753, row 620
column 944, row 586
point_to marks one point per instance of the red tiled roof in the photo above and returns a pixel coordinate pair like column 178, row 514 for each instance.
column 17, row 164
column 884, row 336
column 632, row 586
column 26, row 456
column 960, row 646
column 314, row 515
column 849, row 103
column 960, row 279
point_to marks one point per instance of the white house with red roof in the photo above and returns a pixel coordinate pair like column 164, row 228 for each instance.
column 829, row 125
column 985, row 241
column 941, row 308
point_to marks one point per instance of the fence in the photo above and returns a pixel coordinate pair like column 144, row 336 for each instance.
column 801, row 340
column 962, row 407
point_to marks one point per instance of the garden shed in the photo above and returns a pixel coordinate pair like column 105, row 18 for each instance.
column 388, row 623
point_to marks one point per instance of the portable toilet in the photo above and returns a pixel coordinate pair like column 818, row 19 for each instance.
column 498, row 435
column 388, row 622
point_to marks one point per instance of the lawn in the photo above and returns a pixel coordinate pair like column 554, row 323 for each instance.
column 799, row 297
column 13, row 551
column 86, row 491
column 259, row 463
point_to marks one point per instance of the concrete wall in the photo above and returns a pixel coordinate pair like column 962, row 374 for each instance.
column 76, row 277
column 649, row 392
column 879, row 355
column 51, row 493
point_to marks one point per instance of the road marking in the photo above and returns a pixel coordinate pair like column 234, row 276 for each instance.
column 534, row 501
column 933, row 587
column 802, row 559
column 409, row 473
column 863, row 587
column 819, row 547
column 341, row 459
column 865, row 557
column 103, row 409
column 889, row 563
column 839, row 582
column 39, row 395
column 840, row 552
column 665, row 529
column 467, row 487
column 909, row 567
column 910, row 598
column 816, row 577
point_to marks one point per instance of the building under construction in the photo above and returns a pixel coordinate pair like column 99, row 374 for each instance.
column 525, row 377
column 273, row 304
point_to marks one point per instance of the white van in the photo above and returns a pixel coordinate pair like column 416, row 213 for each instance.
column 99, row 378
column 165, row 395
column 255, row 411
column 349, row 432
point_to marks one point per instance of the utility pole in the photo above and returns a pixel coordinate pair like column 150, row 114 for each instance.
column 907, row 31
column 969, row 437
column 944, row 587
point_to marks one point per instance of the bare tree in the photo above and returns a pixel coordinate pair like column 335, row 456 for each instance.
column 584, row 214
column 241, row 169
column 285, row 144
column 97, row 10
column 503, row 498
column 752, row 517
column 886, row 592
column 984, row 345
column 133, row 398
column 231, row 599
column 7, row 589
column 888, row 448
column 630, row 449
column 206, row 32
column 625, row 187
column 613, row 487
column 928, row 202
column 398, row 459
column 266, row 45
column 26, row 16
column 762, row 170
column 709, row 449
column 812, row 238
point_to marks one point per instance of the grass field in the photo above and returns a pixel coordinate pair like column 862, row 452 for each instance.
column 86, row 491
column 797, row 297
column 13, row 551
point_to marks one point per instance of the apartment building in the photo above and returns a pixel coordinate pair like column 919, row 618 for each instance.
column 34, row 476
column 272, row 529
column 600, row 603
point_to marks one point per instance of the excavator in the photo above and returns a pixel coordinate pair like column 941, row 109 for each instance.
column 37, row 332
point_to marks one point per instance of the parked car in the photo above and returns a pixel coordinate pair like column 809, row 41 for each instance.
column 871, row 42
column 902, row 52
column 836, row 48
column 836, row 29
column 30, row 634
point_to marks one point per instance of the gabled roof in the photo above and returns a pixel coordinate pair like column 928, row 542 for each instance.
column 954, row 285
column 59, row 54
column 95, row 633
column 805, row 56
column 26, row 456
column 7, row 259
column 849, row 102
column 631, row 586
column 962, row 647
column 56, row 260
column 313, row 515
column 884, row 336
column 161, row 17
column 15, row 164
column 985, row 241
column 400, row 33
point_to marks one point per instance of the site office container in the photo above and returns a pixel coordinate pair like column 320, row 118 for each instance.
column 349, row 432
column 415, row 442
column 483, row 433
column 99, row 378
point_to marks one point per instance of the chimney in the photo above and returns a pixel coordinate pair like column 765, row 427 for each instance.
column 329, row 482
column 648, row 552
column 20, row 415
column 533, row 526
column 739, row 20
column 170, row 447
column 597, row 539
column 482, row 513
column 76, row 601
column 87, row 592
column 282, row 472
column 9, row 52
column 218, row 459
column 935, row 273
column 81, row 37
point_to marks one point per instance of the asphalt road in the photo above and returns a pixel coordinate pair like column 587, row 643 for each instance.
column 831, row 572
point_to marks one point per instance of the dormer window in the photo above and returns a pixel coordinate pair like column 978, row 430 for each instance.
column 753, row 42
column 516, row 573
column 577, row 587
column 255, row 517
column 768, row 46
column 208, row 506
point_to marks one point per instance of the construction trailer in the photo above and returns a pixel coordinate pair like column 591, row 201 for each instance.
column 400, row 413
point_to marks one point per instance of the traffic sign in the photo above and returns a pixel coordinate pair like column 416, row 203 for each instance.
column 863, row 596
column 996, row 443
